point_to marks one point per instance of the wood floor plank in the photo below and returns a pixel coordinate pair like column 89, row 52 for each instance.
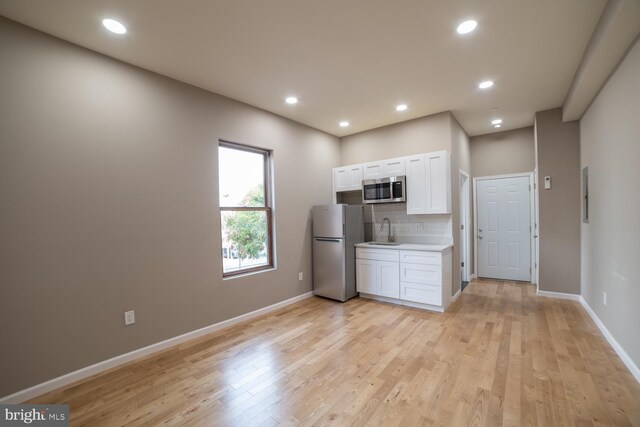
column 500, row 355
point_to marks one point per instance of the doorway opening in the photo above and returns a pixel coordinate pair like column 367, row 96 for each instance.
column 465, row 229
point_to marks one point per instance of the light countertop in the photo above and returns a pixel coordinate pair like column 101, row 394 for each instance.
column 398, row 246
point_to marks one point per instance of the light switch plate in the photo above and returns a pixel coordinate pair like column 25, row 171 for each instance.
column 547, row 182
column 129, row 317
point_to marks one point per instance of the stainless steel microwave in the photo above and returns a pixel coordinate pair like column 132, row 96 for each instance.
column 384, row 190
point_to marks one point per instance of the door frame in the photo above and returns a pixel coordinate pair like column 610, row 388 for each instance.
column 536, row 234
column 465, row 221
column 532, row 219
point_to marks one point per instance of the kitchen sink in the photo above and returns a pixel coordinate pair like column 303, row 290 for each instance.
column 384, row 244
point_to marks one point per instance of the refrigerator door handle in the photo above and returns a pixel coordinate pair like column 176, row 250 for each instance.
column 328, row 240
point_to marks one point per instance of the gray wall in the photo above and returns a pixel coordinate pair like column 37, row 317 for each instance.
column 108, row 182
column 503, row 153
column 421, row 135
column 558, row 156
column 610, row 147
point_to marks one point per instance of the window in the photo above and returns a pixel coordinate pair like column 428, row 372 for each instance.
column 245, row 208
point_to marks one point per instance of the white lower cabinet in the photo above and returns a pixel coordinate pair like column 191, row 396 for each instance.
column 367, row 276
column 421, row 273
column 418, row 278
column 426, row 294
column 378, row 277
column 389, row 279
column 421, row 277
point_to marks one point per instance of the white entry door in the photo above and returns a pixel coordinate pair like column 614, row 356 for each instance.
column 504, row 234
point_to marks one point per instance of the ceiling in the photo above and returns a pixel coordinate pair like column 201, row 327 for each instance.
column 345, row 60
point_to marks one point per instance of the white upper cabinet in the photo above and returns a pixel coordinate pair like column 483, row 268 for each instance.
column 416, row 185
column 341, row 179
column 384, row 168
column 438, row 172
column 347, row 178
column 394, row 167
column 355, row 176
column 373, row 170
column 429, row 183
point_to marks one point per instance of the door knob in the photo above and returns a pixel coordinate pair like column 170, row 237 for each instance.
column 479, row 237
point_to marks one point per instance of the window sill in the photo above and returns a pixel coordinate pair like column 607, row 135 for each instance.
column 249, row 273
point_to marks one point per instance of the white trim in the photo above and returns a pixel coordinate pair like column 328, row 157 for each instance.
column 94, row 369
column 532, row 214
column 455, row 297
column 559, row 295
column 635, row 371
column 472, row 277
column 249, row 273
column 536, row 226
column 465, row 219
column 508, row 175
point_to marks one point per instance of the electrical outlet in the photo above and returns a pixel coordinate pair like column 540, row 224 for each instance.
column 604, row 298
column 300, row 276
column 129, row 317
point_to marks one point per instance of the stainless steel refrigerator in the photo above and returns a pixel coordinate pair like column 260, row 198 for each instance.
column 336, row 230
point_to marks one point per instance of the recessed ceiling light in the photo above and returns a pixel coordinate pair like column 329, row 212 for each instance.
column 291, row 100
column 496, row 121
column 467, row 26
column 497, row 126
column 114, row 26
column 401, row 107
column 485, row 84
column 344, row 124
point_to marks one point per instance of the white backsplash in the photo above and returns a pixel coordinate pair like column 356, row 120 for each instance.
column 405, row 228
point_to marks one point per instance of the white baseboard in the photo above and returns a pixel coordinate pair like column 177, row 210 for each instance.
column 455, row 297
column 45, row 387
column 560, row 295
column 473, row 276
column 635, row 371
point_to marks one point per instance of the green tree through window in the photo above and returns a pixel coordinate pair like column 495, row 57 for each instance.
column 246, row 229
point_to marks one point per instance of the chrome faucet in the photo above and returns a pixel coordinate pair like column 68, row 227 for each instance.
column 389, row 238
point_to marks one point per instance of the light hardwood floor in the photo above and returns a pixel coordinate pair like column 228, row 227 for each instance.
column 500, row 355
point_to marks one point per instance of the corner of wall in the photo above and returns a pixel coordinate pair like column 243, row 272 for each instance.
column 558, row 156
